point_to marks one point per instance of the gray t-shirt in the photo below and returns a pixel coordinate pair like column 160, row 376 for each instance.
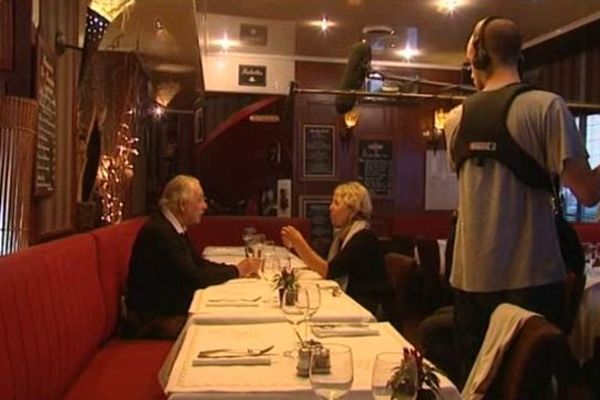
column 506, row 235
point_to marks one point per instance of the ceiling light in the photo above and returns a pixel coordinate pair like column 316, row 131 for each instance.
column 324, row 24
column 225, row 43
column 408, row 52
column 448, row 6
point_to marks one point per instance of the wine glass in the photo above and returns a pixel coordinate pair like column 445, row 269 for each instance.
column 313, row 294
column 396, row 368
column 294, row 304
column 248, row 237
column 333, row 382
column 270, row 268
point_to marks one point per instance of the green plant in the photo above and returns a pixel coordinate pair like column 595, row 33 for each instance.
column 426, row 374
column 287, row 279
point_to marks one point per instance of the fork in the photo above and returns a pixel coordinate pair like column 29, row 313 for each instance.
column 234, row 353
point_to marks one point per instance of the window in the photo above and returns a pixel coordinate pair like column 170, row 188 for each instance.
column 590, row 128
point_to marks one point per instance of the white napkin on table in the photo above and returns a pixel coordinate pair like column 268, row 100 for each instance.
column 330, row 330
column 231, row 303
column 226, row 361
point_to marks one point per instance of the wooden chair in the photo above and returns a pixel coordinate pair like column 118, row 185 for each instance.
column 538, row 354
column 401, row 270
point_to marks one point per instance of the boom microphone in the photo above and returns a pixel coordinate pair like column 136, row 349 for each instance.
column 353, row 76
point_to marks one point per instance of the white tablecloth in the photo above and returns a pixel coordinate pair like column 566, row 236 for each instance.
column 587, row 325
column 235, row 254
column 207, row 305
column 278, row 380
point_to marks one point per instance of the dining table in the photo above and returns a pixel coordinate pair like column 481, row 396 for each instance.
column 587, row 323
column 242, row 317
column 275, row 377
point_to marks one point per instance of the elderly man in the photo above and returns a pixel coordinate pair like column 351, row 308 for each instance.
column 165, row 269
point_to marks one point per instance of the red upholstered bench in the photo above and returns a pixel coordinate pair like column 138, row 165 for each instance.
column 59, row 307
column 588, row 232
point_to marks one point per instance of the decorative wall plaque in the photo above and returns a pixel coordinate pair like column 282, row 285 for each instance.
column 46, row 137
column 252, row 75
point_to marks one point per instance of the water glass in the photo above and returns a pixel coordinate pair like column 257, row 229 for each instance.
column 385, row 367
column 248, row 237
column 269, row 270
column 294, row 304
column 313, row 298
column 337, row 381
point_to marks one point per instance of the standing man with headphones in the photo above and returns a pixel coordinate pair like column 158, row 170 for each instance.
column 506, row 143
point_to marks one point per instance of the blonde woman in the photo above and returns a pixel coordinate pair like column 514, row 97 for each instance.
column 355, row 258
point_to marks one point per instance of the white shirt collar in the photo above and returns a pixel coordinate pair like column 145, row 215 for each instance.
column 172, row 220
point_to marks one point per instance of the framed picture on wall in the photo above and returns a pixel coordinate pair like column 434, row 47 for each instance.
column 318, row 152
column 6, row 35
column 316, row 209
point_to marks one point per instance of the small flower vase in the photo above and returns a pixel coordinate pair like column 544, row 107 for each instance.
column 291, row 296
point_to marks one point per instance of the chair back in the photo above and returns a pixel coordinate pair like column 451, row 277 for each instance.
column 429, row 274
column 530, row 362
column 400, row 271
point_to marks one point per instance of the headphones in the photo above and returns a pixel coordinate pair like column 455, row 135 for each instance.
column 481, row 58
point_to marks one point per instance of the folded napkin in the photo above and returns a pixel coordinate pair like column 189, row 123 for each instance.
column 330, row 330
column 232, row 303
column 226, row 361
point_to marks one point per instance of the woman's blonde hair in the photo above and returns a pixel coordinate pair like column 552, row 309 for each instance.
column 356, row 197
column 179, row 190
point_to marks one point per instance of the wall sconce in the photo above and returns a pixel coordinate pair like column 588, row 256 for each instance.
column 434, row 135
column 351, row 120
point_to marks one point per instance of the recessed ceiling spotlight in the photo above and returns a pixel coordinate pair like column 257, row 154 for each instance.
column 408, row 52
column 225, row 42
column 449, row 6
column 324, row 24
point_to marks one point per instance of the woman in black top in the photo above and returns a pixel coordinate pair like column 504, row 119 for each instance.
column 355, row 259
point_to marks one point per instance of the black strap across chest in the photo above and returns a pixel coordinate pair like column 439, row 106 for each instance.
column 483, row 134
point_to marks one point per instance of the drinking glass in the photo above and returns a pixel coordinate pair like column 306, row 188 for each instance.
column 336, row 382
column 248, row 237
column 384, row 368
column 269, row 270
column 256, row 244
column 294, row 304
column 313, row 294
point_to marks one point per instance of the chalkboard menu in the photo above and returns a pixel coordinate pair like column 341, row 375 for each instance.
column 375, row 166
column 318, row 152
column 46, row 137
column 316, row 210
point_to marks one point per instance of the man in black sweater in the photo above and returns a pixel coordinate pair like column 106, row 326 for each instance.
column 165, row 269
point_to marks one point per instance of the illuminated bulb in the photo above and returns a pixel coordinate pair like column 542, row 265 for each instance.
column 324, row 24
column 408, row 53
column 448, row 6
column 225, row 43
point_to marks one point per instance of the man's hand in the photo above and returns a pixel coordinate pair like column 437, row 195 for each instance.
column 249, row 266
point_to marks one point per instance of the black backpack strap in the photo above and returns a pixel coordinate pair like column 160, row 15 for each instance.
column 483, row 134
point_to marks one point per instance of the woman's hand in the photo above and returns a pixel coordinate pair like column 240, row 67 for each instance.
column 291, row 237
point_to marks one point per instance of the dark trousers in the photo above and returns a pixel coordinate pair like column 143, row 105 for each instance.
column 472, row 313
column 437, row 340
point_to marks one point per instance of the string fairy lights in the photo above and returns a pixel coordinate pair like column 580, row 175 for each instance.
column 114, row 175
